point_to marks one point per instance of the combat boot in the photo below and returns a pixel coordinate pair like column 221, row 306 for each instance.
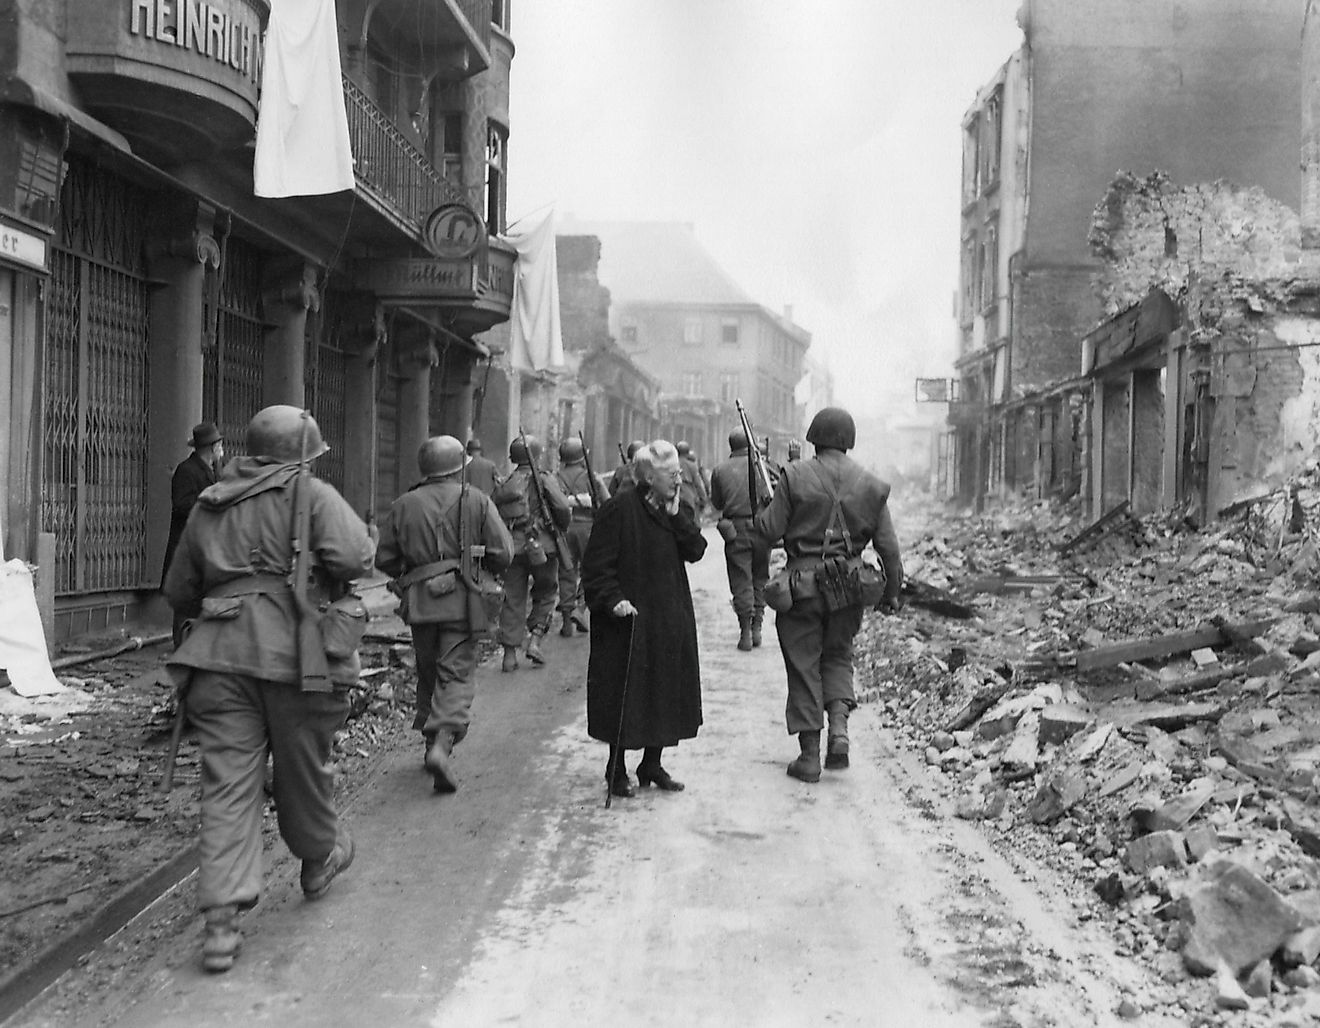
column 756, row 628
column 807, row 766
column 566, row 629
column 318, row 874
column 510, row 659
column 222, row 940
column 836, row 754
column 534, row 653
column 440, row 765
column 744, row 632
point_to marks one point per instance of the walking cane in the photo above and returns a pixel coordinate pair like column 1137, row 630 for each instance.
column 623, row 698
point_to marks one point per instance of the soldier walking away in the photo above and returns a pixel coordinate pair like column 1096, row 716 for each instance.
column 584, row 495
column 693, row 488
column 643, row 674
column 531, row 580
column 623, row 477
column 481, row 471
column 189, row 479
column 264, row 542
column 826, row 510
column 746, row 551
column 443, row 540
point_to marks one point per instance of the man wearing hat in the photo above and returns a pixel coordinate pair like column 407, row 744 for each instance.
column 826, row 510
column 421, row 544
column 481, row 470
column 189, row 479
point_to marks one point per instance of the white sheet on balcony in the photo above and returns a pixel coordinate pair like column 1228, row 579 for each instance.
column 302, row 127
column 536, row 341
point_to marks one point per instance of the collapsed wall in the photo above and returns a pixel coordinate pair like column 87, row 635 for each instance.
column 1248, row 375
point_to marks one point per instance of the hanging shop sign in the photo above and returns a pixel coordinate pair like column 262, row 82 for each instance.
column 453, row 232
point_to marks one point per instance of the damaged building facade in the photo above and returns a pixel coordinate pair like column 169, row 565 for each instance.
column 1205, row 94
column 144, row 288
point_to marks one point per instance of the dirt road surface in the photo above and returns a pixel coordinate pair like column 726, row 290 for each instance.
column 748, row 899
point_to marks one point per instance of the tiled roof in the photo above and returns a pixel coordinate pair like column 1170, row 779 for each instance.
column 657, row 261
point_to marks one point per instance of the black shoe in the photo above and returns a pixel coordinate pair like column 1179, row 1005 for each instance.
column 621, row 786
column 580, row 623
column 566, row 629
column 658, row 777
column 836, row 756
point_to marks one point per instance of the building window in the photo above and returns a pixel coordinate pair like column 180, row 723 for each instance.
column 989, row 266
column 729, row 331
column 968, row 281
column 728, row 386
column 628, row 330
column 499, row 14
column 447, row 129
column 692, row 331
column 692, row 383
column 496, row 143
column 971, row 161
column 991, row 131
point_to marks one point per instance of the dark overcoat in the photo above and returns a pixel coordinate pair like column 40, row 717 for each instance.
column 186, row 484
column 638, row 554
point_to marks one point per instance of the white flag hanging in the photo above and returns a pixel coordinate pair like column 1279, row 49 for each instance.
column 302, row 126
column 536, row 341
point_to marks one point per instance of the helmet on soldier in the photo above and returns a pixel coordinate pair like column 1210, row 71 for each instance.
column 684, row 448
column 634, row 446
column 737, row 439
column 440, row 455
column 518, row 453
column 570, row 451
column 832, row 428
column 277, row 432
column 474, row 446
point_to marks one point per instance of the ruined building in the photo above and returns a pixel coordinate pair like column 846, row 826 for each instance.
column 1202, row 92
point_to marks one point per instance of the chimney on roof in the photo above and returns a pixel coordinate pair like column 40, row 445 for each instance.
column 788, row 312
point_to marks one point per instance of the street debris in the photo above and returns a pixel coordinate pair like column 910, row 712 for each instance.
column 1136, row 703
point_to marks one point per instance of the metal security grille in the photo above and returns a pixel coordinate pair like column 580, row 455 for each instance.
column 95, row 397
column 231, row 345
column 325, row 380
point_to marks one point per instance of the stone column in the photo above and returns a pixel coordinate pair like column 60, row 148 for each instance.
column 179, row 255
column 365, row 326
column 417, row 356
column 289, row 293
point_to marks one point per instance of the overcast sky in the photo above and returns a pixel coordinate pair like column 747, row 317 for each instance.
column 813, row 144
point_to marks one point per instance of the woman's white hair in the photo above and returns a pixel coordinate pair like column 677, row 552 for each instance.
column 652, row 454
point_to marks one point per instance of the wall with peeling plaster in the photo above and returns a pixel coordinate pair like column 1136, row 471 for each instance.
column 1232, row 257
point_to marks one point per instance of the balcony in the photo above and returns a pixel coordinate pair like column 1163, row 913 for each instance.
column 420, row 33
column 389, row 169
column 471, row 294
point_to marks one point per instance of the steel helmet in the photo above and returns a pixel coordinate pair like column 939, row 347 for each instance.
column 518, row 454
column 474, row 445
column 570, row 451
column 440, row 455
column 737, row 439
column 634, row 446
column 683, row 448
column 277, row 431
column 832, row 428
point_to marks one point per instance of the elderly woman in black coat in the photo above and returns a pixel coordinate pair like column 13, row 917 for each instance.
column 643, row 676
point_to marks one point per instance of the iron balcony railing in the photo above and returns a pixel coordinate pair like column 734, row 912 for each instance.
column 389, row 167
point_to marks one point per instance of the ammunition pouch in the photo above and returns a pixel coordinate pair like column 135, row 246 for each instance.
column 343, row 624
column 849, row 582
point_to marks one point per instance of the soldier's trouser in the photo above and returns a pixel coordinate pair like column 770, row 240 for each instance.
column 446, row 678
column 570, row 578
column 747, row 558
column 238, row 719
column 818, row 657
column 543, row 582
